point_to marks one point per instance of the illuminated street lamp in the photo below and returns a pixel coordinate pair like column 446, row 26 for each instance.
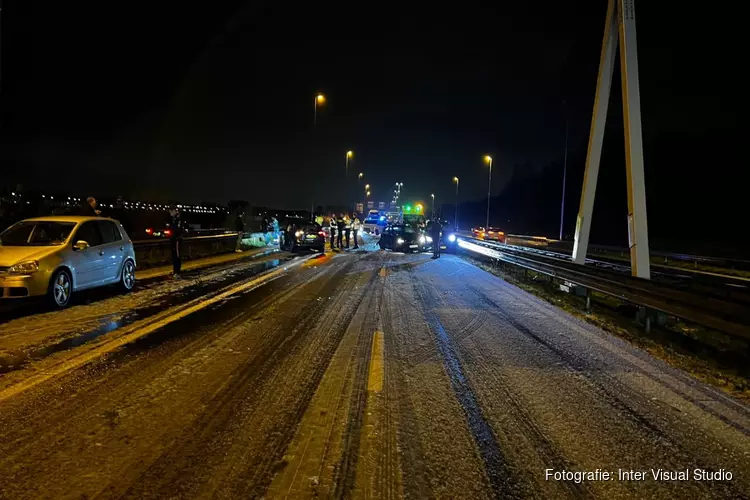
column 349, row 155
column 317, row 101
column 433, row 205
column 455, row 220
column 488, row 160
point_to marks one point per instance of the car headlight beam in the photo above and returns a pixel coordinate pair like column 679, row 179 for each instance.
column 452, row 238
column 400, row 241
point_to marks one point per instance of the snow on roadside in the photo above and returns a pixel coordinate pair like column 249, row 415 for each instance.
column 104, row 309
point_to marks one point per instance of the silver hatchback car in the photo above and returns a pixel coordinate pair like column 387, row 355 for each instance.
column 58, row 255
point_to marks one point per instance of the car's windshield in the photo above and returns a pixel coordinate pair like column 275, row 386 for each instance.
column 36, row 233
column 403, row 229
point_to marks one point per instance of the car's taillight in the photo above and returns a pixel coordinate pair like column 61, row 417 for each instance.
column 149, row 230
column 167, row 232
column 322, row 233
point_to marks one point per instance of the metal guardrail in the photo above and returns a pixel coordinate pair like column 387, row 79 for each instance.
column 165, row 241
column 712, row 313
column 683, row 257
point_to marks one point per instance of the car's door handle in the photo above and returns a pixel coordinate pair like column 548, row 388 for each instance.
column 101, row 253
column 122, row 248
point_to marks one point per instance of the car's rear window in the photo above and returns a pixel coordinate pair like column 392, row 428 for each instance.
column 36, row 233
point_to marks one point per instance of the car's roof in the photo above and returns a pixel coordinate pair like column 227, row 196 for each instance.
column 67, row 218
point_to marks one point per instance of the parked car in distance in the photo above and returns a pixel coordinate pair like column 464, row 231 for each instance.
column 303, row 235
column 59, row 255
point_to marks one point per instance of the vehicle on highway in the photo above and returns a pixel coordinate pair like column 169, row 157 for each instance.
column 303, row 235
column 58, row 255
column 449, row 239
column 495, row 234
column 490, row 233
column 403, row 238
column 158, row 233
column 375, row 222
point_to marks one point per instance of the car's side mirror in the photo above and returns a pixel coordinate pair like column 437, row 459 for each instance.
column 81, row 245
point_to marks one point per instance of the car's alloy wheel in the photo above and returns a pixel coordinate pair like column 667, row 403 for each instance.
column 62, row 288
column 128, row 275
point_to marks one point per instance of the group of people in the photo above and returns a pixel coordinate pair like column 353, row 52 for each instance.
column 342, row 227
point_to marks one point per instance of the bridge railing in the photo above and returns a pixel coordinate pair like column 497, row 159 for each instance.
column 157, row 251
column 725, row 316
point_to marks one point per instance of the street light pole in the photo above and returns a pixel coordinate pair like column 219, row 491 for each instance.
column 318, row 99
column 488, row 159
column 433, row 205
column 359, row 178
column 349, row 154
column 565, row 172
column 455, row 220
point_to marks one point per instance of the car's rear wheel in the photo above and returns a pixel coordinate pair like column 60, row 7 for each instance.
column 127, row 276
column 61, row 288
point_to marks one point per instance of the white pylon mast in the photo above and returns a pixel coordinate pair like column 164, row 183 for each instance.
column 620, row 23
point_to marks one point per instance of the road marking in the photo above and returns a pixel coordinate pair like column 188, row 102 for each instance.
column 319, row 259
column 139, row 332
column 375, row 379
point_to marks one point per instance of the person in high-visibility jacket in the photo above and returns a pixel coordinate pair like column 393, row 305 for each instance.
column 347, row 229
column 356, row 226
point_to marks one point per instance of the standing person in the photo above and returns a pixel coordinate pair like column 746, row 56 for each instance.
column 340, row 225
column 332, row 230
column 436, row 230
column 239, row 226
column 356, row 226
column 89, row 209
column 288, row 232
column 347, row 229
column 175, row 240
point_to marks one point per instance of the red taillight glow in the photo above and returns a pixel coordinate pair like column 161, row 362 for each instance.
column 322, row 233
column 167, row 232
column 149, row 231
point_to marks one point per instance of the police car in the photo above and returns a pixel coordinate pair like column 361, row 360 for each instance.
column 374, row 222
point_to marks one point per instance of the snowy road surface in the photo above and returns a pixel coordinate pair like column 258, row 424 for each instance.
column 366, row 375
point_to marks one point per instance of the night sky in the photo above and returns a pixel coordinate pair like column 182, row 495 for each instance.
column 171, row 100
